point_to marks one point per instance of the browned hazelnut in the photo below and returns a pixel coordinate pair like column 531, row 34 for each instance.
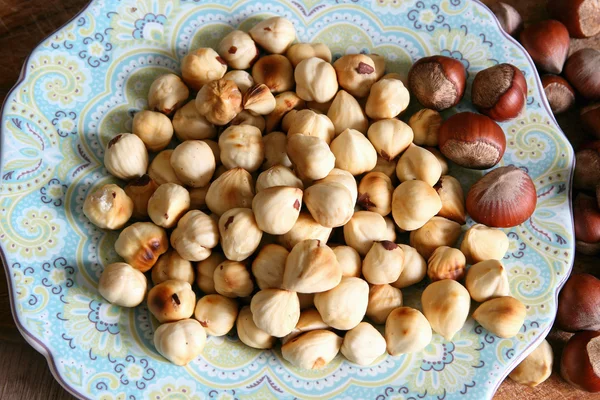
column 356, row 74
column 560, row 94
column 453, row 199
column 259, row 99
column 171, row 300
column 139, row 191
column 141, row 244
column 586, row 216
column 375, row 193
column 437, row 82
column 582, row 70
column 510, row 20
column 202, row 66
column 499, row 92
column 581, row 17
column 547, row 42
column 275, row 71
column 587, row 169
column 219, row 101
column 590, row 116
column 284, row 102
column 446, row 263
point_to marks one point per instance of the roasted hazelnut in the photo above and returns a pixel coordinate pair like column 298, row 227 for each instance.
column 202, row 66
column 219, row 101
column 406, row 331
column 438, row 82
column 275, row 144
column 287, row 120
column 233, row 189
column 250, row 334
column 581, row 17
column 189, row 124
column 418, row 163
column 238, row 49
column 205, row 271
column 139, row 191
column 387, row 99
column 310, row 320
column 311, row 267
column 305, row 228
column 167, row 93
column 453, row 199
column 356, row 74
column 481, row 243
column 311, row 156
column 413, row 204
column 284, row 102
column 487, row 280
column 303, row 51
column 315, row 80
column 232, row 279
column 180, row 342
column 590, row 117
column 587, row 171
column 446, row 263
column 390, row 137
column 249, row 118
column 364, row 228
column 502, row 316
column 171, row 301
column 425, row 125
column 216, row 314
column 440, row 157
column 154, row 128
column 436, row 232
column 559, row 93
column 268, row 266
column 547, row 42
column 274, row 35
column 363, row 344
column 312, row 350
column 414, row 268
column 308, row 122
column 278, row 176
column 194, row 163
column 345, row 305
column 239, row 233
column 108, row 207
column 578, row 304
column 242, row 79
column 126, row 156
column 349, row 260
column 346, row 113
column 502, row 198
column 170, row 266
column 383, row 263
column 168, row 203
column 330, row 203
column 160, row 169
column 242, row 147
column 446, row 306
column 276, row 209
column 582, row 70
column 383, row 299
column 500, row 92
column 343, row 177
column 122, row 285
column 275, row 311
column 353, row 152
column 259, row 100
column 536, row 367
column 195, row 236
column 579, row 361
column 275, row 71
column 509, row 18
column 375, row 193
column 141, row 243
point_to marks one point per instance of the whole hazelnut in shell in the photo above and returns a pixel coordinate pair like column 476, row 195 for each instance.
column 438, row 82
column 499, row 92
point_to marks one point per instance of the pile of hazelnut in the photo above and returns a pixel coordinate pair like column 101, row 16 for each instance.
column 288, row 220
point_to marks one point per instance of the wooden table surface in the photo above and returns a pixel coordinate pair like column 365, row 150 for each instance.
column 24, row 373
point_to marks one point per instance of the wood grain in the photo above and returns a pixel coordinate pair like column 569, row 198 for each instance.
column 24, row 373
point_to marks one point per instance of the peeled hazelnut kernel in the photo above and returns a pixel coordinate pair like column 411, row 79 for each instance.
column 122, row 285
column 387, row 99
column 438, row 82
column 242, row 147
column 446, row 263
column 375, row 193
column 436, row 232
column 275, row 144
column 305, row 228
column 275, row 311
column 343, row 177
column 189, row 124
column 500, row 92
column 274, row 35
column 249, row 118
column 446, row 306
column 388, row 168
column 353, row 152
column 390, row 137
column 346, row 113
column 202, row 66
column 311, row 156
column 195, row 235
column 413, row 204
column 356, row 74
column 425, row 125
column 383, row 299
column 310, row 320
column 239, row 233
column 319, row 107
column 139, row 191
column 509, row 18
column 167, row 93
column 154, row 128
column 216, row 313
column 238, row 50
column 581, row 17
column 312, row 350
column 345, row 305
column 547, row 42
column 487, row 280
column 278, row 175
column 390, row 231
column 276, row 209
column 198, row 198
column 275, row 71
column 259, row 99
column 161, row 171
column 249, row 333
column 193, row 162
column 268, row 266
column 418, row 163
column 180, row 342
column 233, row 189
column 560, row 94
column 171, row 301
column 414, row 268
column 170, row 266
column 536, row 367
column 364, row 228
column 363, row 344
column 383, row 263
column 219, row 101
column 582, row 71
column 578, row 304
column 287, row 120
column 402, row 77
column 308, row 122
column 311, row 267
column 232, row 279
column 205, row 271
column 502, row 198
column 502, row 316
column 315, row 80
column 579, row 361
column 141, row 243
column 481, row 243
column 440, row 157
column 284, row 102
column 379, row 62
column 303, row 51
column 168, row 203
column 349, row 260
column 242, row 79
column 126, row 156
column 330, row 203
column 108, row 207
column 453, row 199
column 406, row 331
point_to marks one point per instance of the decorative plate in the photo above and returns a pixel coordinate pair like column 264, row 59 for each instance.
column 83, row 84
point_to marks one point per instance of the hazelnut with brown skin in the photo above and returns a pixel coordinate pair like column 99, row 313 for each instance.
column 499, row 92
column 219, row 101
column 275, row 71
column 590, row 117
column 510, row 20
column 586, row 216
column 581, row 17
column 438, row 82
column 560, row 94
column 547, row 42
column 587, row 172
column 582, row 70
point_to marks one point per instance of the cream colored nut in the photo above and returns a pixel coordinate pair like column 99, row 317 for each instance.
column 487, row 280
column 232, row 279
column 108, row 207
column 259, row 99
column 311, row 156
column 284, row 102
column 383, row 263
column 383, row 299
column 436, row 232
column 180, row 342
column 482, row 243
column 198, row 198
column 418, row 163
column 268, row 266
column 161, row 171
column 353, row 152
column 219, row 101
column 250, row 334
column 446, row 305
column 122, row 285
column 214, row 147
column 139, row 191
column 453, row 199
column 387, row 99
column 276, row 209
column 316, row 80
column 205, row 271
column 274, row 35
column 233, row 189
column 406, row 331
column 502, row 316
column 275, row 144
column 344, row 306
column 308, row 122
column 394, row 75
column 126, row 156
column 195, row 236
column 168, row 203
column 414, row 268
column 216, row 313
column 238, row 49
column 141, row 244
column 242, row 79
column 426, row 126
column 440, row 157
column 189, row 124
column 277, row 175
column 356, row 74
column 343, row 177
column 387, row 167
column 390, row 137
column 363, row 344
column 312, row 350
column 275, row 71
column 171, row 301
column 242, row 146
column 346, row 113
column 319, row 107
column 287, row 120
column 170, row 266
column 240, row 235
column 167, row 93
column 305, row 228
column 390, row 232
column 536, row 367
column 413, row 204
column 249, row 118
column 275, row 311
column 446, row 263
column 202, row 66
column 303, row 51
column 379, row 62
column 154, row 128
column 364, row 228
column 375, row 193
column 311, row 267
column 330, row 203
column 307, row 300
column 310, row 320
